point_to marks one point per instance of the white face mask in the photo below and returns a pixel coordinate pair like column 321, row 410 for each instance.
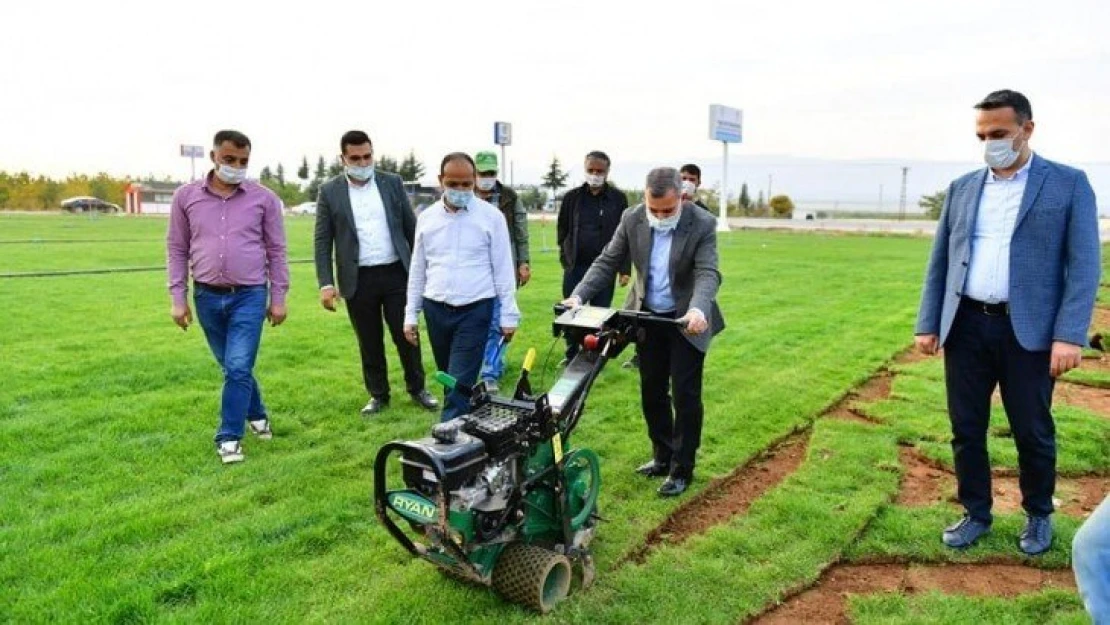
column 487, row 184
column 689, row 190
column 665, row 224
column 1000, row 153
column 595, row 180
column 231, row 175
column 360, row 173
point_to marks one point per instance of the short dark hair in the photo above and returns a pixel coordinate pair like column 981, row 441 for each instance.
column 692, row 169
column 1006, row 98
column 353, row 137
column 599, row 155
column 457, row 156
column 237, row 138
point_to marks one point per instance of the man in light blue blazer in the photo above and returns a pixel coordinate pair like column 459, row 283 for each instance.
column 1008, row 294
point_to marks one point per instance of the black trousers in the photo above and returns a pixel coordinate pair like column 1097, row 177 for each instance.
column 604, row 299
column 981, row 352
column 381, row 296
column 670, row 365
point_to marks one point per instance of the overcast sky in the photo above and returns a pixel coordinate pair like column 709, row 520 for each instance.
column 117, row 86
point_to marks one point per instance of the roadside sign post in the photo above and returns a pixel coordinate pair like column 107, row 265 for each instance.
column 502, row 136
column 727, row 126
column 193, row 152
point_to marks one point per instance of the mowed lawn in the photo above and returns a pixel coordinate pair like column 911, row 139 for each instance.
column 114, row 507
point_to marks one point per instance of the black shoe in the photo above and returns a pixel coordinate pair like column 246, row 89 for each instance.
column 374, row 406
column 963, row 533
column 674, row 486
column 653, row 469
column 1036, row 538
column 425, row 399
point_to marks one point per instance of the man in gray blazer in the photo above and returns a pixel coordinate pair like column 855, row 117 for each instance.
column 673, row 246
column 1008, row 293
column 365, row 216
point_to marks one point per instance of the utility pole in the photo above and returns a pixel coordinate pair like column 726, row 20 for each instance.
column 902, row 198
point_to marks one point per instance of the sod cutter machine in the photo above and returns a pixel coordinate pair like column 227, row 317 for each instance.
column 499, row 496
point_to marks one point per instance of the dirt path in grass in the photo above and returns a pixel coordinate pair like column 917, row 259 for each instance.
column 826, row 602
column 924, row 483
column 733, row 494
column 728, row 496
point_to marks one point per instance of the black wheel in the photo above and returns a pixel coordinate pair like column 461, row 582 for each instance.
column 532, row 576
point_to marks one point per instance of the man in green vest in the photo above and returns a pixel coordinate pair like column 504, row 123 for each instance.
column 490, row 189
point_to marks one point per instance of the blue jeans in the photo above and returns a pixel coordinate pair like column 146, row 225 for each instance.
column 232, row 324
column 493, row 363
column 458, row 337
column 1090, row 558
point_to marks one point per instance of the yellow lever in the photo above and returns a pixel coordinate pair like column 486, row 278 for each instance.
column 530, row 359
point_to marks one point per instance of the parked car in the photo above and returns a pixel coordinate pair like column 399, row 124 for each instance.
column 86, row 204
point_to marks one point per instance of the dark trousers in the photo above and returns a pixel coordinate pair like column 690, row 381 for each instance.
column 981, row 352
column 670, row 365
column 458, row 337
column 381, row 295
column 604, row 298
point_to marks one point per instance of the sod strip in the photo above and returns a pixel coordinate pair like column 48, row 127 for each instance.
column 913, row 535
column 1054, row 607
column 737, row 570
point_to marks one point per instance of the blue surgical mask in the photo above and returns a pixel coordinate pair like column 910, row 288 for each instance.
column 1000, row 153
column 666, row 224
column 487, row 183
column 459, row 198
column 360, row 173
column 231, row 175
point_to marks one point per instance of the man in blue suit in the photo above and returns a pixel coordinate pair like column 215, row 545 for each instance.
column 1009, row 293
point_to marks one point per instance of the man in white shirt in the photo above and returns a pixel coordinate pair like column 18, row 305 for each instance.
column 365, row 215
column 461, row 262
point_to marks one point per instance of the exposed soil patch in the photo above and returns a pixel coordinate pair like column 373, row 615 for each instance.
column 1100, row 321
column 728, row 496
column 826, row 602
column 925, row 484
column 1097, row 400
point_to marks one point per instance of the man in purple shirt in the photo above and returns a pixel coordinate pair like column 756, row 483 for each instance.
column 228, row 231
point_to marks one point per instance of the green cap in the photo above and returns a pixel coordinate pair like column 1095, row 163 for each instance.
column 485, row 161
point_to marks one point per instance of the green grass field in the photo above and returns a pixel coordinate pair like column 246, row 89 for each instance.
column 114, row 507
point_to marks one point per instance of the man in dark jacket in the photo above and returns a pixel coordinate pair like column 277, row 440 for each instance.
column 588, row 217
column 365, row 216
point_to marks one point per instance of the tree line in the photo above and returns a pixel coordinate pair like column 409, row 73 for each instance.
column 22, row 191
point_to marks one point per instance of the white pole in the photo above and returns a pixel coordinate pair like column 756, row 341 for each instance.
column 722, row 216
column 502, row 166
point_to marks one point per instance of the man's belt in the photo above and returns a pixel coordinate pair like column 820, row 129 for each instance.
column 224, row 289
column 999, row 309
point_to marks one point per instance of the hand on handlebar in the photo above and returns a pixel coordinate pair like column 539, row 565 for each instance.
column 693, row 322
column 571, row 302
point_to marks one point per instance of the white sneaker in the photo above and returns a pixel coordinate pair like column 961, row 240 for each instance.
column 261, row 427
column 229, row 452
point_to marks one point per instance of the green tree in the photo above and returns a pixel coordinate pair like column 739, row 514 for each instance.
column 279, row 175
column 760, row 205
column 321, row 169
column 387, row 163
column 532, row 197
column 782, row 206
column 555, row 177
column 336, row 167
column 289, row 192
column 933, row 204
column 50, row 191
column 634, row 197
column 745, row 199
column 266, row 174
column 411, row 170
column 302, row 171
